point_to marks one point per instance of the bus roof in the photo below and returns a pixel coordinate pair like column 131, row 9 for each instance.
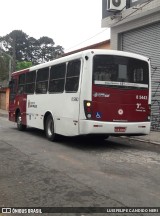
column 82, row 54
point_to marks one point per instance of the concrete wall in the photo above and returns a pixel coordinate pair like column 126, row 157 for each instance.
column 129, row 19
column 4, row 98
column 101, row 45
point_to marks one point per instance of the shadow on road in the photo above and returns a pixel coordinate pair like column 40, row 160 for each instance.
column 87, row 143
column 84, row 142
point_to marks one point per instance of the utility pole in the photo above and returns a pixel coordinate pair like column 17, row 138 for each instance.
column 14, row 52
column 10, row 61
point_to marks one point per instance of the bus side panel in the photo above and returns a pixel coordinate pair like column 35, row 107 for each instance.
column 68, row 115
column 12, row 98
column 35, row 110
column 21, row 101
column 86, row 87
column 63, row 107
column 18, row 98
column 17, row 103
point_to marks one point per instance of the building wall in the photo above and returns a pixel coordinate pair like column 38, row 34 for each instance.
column 137, row 29
column 4, row 98
column 104, row 46
column 7, row 98
column 101, row 45
column 134, row 17
column 116, row 31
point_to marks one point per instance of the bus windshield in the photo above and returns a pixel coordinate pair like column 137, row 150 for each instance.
column 120, row 72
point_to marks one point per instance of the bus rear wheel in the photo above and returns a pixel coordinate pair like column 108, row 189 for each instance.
column 49, row 129
column 20, row 126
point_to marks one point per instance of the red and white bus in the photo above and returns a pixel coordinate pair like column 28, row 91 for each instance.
column 97, row 92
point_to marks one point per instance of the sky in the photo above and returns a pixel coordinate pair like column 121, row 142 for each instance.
column 70, row 23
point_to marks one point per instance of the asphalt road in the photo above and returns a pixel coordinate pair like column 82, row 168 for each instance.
column 76, row 172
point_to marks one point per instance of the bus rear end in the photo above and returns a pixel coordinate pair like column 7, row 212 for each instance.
column 120, row 95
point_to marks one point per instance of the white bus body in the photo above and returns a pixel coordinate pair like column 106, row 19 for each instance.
column 67, row 108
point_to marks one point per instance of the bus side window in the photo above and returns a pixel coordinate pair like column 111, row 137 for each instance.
column 57, row 78
column 30, row 82
column 72, row 77
column 42, row 81
column 13, row 89
column 21, row 83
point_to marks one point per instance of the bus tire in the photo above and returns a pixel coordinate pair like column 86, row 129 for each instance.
column 49, row 129
column 20, row 126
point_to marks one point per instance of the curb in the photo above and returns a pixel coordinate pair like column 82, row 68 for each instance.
column 146, row 141
column 142, row 140
column 4, row 115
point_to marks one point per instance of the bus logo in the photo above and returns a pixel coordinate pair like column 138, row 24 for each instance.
column 120, row 111
column 99, row 94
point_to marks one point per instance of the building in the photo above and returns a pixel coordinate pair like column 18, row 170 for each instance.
column 101, row 45
column 135, row 27
column 4, row 98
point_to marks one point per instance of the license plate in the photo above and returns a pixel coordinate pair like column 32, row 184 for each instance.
column 120, row 129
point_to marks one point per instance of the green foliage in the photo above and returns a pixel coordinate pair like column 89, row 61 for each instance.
column 4, row 70
column 23, row 65
column 23, row 48
column 19, row 51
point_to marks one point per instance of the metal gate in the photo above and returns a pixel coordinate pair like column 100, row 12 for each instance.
column 146, row 41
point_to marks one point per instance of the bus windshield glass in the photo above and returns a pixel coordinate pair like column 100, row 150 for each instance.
column 120, row 72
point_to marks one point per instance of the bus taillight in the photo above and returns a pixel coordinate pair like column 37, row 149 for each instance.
column 88, row 109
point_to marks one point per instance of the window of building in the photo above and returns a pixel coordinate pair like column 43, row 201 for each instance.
column 72, row 78
column 57, row 78
column 30, row 82
column 42, row 80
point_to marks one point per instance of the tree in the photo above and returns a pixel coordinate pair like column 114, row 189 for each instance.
column 59, row 50
column 45, row 49
column 32, row 50
column 24, row 48
column 5, row 68
column 23, row 65
column 15, row 44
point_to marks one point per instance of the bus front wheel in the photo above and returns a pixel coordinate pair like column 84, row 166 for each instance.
column 20, row 126
column 49, row 129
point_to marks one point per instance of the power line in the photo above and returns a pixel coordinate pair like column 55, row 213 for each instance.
column 108, row 28
column 87, row 39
